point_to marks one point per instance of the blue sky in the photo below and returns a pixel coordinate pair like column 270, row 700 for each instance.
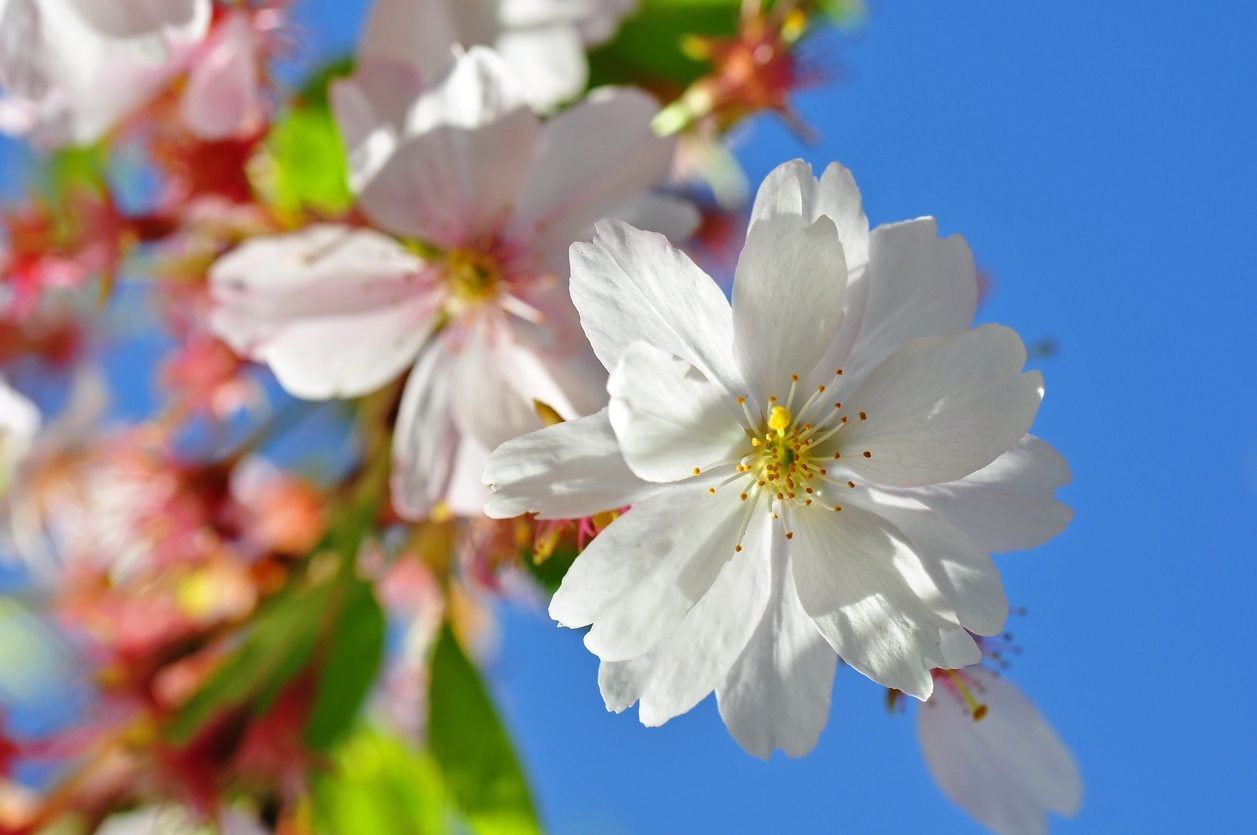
column 1099, row 157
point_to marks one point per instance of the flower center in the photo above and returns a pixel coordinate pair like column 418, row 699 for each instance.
column 472, row 276
column 786, row 466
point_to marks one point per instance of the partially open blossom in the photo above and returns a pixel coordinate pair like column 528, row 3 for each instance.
column 803, row 468
column 468, row 288
column 541, row 41
column 994, row 755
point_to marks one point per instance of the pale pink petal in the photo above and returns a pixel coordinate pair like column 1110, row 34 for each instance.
column 1008, row 770
column 334, row 311
column 223, row 97
column 590, row 158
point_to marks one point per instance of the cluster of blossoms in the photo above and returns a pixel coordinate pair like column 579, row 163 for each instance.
column 432, row 333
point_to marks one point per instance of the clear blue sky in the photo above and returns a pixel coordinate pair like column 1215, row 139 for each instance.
column 1099, row 157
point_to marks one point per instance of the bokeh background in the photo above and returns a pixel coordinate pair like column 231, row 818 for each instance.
column 1101, row 159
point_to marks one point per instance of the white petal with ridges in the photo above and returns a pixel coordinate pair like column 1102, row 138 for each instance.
column 963, row 573
column 941, row 408
column 647, row 569
column 860, row 581
column 918, row 285
column 787, row 300
column 777, row 694
column 671, row 421
column 1008, row 505
column 631, row 286
column 566, row 471
column 791, row 190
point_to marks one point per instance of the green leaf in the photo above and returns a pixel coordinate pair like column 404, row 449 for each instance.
column 647, row 49
column 308, row 169
column 75, row 168
column 379, row 785
column 549, row 573
column 278, row 647
column 353, row 661
column 469, row 742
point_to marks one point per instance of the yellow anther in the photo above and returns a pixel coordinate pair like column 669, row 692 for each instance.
column 779, row 420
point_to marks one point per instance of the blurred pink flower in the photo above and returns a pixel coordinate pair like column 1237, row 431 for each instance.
column 471, row 293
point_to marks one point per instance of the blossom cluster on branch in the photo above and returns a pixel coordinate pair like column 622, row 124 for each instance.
column 436, row 328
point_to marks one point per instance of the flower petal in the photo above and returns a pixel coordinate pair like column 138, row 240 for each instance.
column 918, row 285
column 1009, row 769
column 417, row 34
column 791, row 190
column 223, row 97
column 334, row 311
column 1008, row 505
column 631, row 285
column 964, row 574
column 639, row 578
column 566, row 471
column 141, row 17
column 24, row 67
column 457, row 176
column 549, row 62
column 593, row 156
column 941, row 408
column 682, row 670
column 372, row 109
column 697, row 657
column 671, row 421
column 426, row 442
column 787, row 300
column 777, row 694
column 861, row 582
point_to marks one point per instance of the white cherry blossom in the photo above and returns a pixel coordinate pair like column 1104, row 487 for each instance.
column 543, row 42
column 71, row 69
column 802, row 465
column 1007, row 768
column 465, row 283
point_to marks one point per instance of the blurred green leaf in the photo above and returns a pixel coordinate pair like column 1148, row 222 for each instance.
column 308, row 170
column 376, row 784
column 278, row 647
column 549, row 573
column 469, row 742
column 75, row 168
column 353, row 662
column 647, row 49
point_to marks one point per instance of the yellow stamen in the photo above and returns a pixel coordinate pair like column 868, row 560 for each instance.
column 779, row 420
